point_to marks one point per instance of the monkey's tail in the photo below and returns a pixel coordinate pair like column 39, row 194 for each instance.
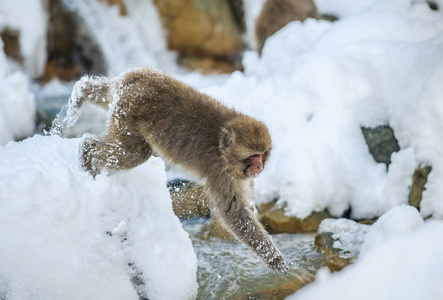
column 94, row 89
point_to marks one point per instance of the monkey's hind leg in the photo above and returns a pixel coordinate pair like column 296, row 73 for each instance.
column 112, row 153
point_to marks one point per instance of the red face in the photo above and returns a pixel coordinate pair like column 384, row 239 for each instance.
column 255, row 164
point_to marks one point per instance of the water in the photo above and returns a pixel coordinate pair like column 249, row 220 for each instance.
column 51, row 111
column 229, row 270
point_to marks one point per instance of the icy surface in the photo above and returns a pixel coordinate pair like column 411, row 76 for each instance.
column 67, row 236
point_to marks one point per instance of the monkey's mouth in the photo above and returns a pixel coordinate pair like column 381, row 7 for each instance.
column 253, row 171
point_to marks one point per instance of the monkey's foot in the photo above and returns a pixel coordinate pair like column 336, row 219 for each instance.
column 88, row 150
column 278, row 265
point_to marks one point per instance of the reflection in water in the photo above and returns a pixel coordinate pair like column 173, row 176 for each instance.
column 229, row 270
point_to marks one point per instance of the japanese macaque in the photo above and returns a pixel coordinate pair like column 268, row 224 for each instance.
column 278, row 13
column 150, row 111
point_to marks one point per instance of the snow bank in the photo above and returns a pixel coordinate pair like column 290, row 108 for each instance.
column 401, row 259
column 318, row 83
column 67, row 236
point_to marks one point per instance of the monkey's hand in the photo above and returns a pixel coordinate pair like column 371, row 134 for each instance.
column 278, row 265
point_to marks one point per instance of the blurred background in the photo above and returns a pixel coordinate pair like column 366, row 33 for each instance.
column 46, row 45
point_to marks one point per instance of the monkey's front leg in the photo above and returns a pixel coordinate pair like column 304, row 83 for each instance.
column 112, row 153
column 242, row 221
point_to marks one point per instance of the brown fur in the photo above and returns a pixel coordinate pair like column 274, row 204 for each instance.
column 154, row 112
column 278, row 13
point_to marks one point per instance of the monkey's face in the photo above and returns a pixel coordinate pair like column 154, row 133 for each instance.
column 255, row 163
column 247, row 146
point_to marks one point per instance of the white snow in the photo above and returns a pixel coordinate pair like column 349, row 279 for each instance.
column 17, row 103
column 318, row 83
column 252, row 9
column 28, row 17
column 401, row 259
column 132, row 40
column 347, row 234
column 66, row 235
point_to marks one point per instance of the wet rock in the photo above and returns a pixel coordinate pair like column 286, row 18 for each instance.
column 276, row 221
column 433, row 5
column 188, row 199
column 339, row 241
column 71, row 51
column 419, row 180
column 381, row 142
column 281, row 292
column 215, row 229
column 278, row 13
column 201, row 29
column 331, row 256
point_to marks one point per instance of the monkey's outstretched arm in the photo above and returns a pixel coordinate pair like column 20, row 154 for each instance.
column 242, row 221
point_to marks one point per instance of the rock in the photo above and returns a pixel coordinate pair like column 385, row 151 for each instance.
column 331, row 256
column 215, row 229
column 71, row 51
column 419, row 180
column 11, row 44
column 339, row 241
column 208, row 65
column 433, row 5
column 281, row 292
column 276, row 221
column 278, row 13
column 188, row 199
column 381, row 142
column 120, row 4
column 201, row 29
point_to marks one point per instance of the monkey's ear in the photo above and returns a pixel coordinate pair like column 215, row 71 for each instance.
column 228, row 138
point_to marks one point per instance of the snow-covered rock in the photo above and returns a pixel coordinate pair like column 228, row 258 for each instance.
column 400, row 259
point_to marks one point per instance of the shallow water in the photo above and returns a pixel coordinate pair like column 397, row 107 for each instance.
column 229, row 270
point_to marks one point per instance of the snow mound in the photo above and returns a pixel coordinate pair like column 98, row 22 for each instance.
column 66, row 235
column 401, row 259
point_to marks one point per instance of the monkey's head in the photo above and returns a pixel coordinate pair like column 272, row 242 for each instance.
column 246, row 145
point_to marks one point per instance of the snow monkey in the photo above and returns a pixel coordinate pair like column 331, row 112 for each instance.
column 278, row 13
column 151, row 112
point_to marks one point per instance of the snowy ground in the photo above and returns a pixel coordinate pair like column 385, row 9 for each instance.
column 65, row 235
column 401, row 259
column 316, row 84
